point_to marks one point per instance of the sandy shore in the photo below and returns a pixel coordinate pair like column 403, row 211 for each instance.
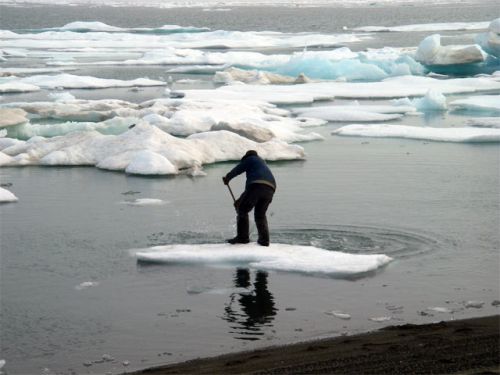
column 470, row 346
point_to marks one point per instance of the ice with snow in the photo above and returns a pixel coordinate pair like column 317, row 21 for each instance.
column 86, row 285
column 461, row 135
column 380, row 319
column 478, row 103
column 6, row 196
column 448, row 26
column 146, row 202
column 490, row 41
column 279, row 257
column 474, row 304
column 339, row 314
column 484, row 122
column 431, row 52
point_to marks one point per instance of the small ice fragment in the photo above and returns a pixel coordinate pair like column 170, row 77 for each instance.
column 380, row 319
column 87, row 364
column 440, row 309
column 495, row 303
column 2, row 363
column 474, row 304
column 339, row 314
column 107, row 358
column 86, row 284
column 146, row 202
column 125, row 363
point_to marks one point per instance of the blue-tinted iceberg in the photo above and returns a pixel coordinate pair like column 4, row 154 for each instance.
column 490, row 41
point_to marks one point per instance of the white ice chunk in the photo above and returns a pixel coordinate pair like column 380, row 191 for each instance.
column 490, row 41
column 86, row 284
column 434, row 100
column 62, row 96
column 2, row 363
column 11, row 117
column 70, row 81
column 116, row 152
column 485, row 103
column 380, row 319
column 474, row 304
column 339, row 314
column 473, row 135
column 358, row 113
column 16, row 86
column 7, row 196
column 146, row 202
column 442, row 310
column 449, row 26
column 394, row 87
column 150, row 163
column 282, row 257
column 430, row 52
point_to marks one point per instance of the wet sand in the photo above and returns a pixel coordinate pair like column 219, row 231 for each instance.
column 470, row 346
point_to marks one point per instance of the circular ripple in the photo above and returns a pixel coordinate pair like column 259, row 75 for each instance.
column 395, row 243
column 360, row 240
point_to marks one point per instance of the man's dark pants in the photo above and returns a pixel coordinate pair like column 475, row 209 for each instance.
column 256, row 196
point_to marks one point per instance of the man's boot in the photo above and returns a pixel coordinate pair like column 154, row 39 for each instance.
column 242, row 229
column 263, row 231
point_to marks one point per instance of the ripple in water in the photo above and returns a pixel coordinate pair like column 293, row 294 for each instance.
column 396, row 243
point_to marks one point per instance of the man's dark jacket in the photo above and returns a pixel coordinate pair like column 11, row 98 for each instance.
column 257, row 171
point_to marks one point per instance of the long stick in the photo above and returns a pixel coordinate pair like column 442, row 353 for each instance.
column 230, row 191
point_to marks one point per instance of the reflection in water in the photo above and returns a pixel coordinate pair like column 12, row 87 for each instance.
column 256, row 307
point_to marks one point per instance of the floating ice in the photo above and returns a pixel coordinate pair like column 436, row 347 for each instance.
column 146, row 202
column 339, row 314
column 355, row 112
column 86, row 284
column 62, row 96
column 150, row 163
column 450, row 26
column 280, row 257
column 13, row 71
column 117, row 152
column 434, row 100
column 484, row 122
column 2, row 363
column 430, row 52
column 70, row 81
column 127, row 41
column 442, row 310
column 16, row 86
column 479, row 103
column 394, row 87
column 232, row 75
column 490, row 41
column 472, row 135
column 474, row 304
column 215, row 5
column 7, row 196
column 81, row 26
column 10, row 117
column 380, row 319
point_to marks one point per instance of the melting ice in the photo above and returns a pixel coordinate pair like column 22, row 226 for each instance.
column 279, row 257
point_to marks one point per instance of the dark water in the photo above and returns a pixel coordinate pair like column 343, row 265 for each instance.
column 431, row 206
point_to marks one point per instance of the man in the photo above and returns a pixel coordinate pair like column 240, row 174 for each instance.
column 258, row 194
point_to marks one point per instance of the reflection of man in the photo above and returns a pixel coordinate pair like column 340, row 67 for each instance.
column 257, row 306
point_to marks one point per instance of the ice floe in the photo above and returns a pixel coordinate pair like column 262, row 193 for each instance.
column 393, row 87
column 119, row 152
column 355, row 112
column 7, row 196
column 472, row 135
column 478, row 103
column 442, row 310
column 380, row 319
column 86, row 285
column 70, row 81
column 474, row 304
column 431, row 52
column 434, row 100
column 126, row 41
column 12, row 116
column 280, row 257
column 146, row 201
column 449, row 26
column 490, row 41
column 339, row 314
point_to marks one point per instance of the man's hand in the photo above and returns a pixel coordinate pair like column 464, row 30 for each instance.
column 225, row 180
